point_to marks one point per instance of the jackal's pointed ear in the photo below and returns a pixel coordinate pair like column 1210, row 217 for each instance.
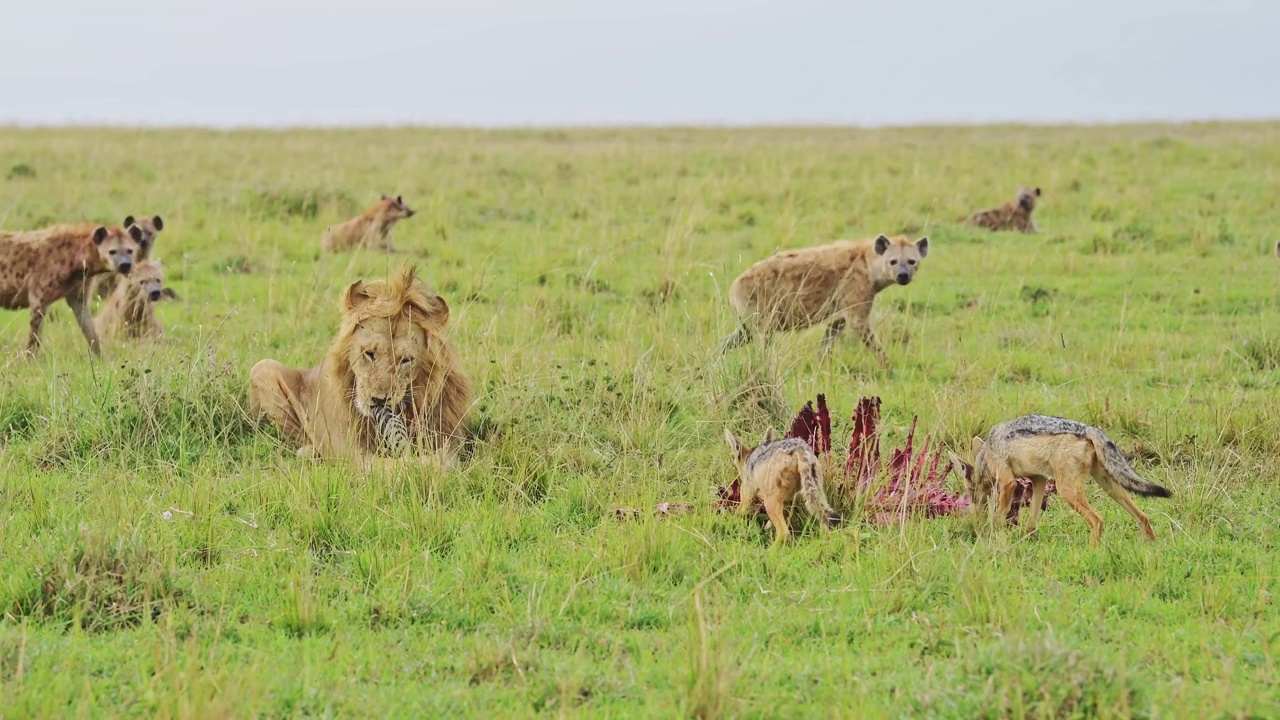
column 735, row 445
column 963, row 469
column 923, row 246
column 769, row 436
column 977, row 446
column 882, row 244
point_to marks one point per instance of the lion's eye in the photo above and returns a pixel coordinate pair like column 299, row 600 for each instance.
column 370, row 356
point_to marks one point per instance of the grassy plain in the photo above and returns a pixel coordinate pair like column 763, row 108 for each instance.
column 587, row 272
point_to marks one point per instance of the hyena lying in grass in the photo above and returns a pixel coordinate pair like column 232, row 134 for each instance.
column 1013, row 215
column 796, row 289
column 1040, row 447
column 775, row 471
column 371, row 230
column 130, row 311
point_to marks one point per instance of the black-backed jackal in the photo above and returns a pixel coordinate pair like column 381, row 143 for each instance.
column 775, row 471
column 1040, row 447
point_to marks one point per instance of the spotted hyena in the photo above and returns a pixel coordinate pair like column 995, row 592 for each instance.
column 40, row 267
column 371, row 230
column 1013, row 215
column 130, row 311
column 834, row 283
column 105, row 284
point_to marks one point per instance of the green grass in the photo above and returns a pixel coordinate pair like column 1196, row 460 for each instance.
column 587, row 272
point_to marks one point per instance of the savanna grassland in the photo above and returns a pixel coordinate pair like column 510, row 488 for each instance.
column 162, row 556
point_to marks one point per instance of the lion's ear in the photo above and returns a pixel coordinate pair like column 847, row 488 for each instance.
column 355, row 296
column 437, row 311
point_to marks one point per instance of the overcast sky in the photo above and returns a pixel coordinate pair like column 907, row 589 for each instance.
column 593, row 62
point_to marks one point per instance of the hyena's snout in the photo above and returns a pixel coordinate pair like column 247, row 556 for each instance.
column 904, row 277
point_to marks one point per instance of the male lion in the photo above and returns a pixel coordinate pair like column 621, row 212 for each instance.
column 390, row 371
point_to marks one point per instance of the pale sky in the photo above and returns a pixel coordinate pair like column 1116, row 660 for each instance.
column 626, row 62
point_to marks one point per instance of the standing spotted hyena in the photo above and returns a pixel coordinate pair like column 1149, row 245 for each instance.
column 835, row 283
column 40, row 267
column 371, row 230
column 775, row 472
column 1013, row 215
column 105, row 284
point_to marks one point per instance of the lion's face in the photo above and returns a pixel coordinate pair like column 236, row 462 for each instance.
column 392, row 335
column 384, row 356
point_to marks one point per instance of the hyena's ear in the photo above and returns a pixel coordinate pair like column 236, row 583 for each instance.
column 399, row 199
column 769, row 436
column 135, row 232
column 882, row 245
column 1037, row 191
column 923, row 246
column 158, row 223
column 128, row 221
column 169, row 293
column 99, row 235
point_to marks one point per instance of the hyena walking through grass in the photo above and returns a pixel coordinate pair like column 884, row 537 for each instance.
column 835, row 283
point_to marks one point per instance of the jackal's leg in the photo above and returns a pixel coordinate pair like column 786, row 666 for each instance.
column 1005, row 486
column 777, row 515
column 1070, row 479
column 1038, row 485
column 1117, row 492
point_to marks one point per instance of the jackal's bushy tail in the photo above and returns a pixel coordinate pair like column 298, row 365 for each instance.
column 815, row 498
column 1120, row 469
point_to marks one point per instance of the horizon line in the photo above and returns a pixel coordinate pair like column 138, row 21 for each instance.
column 598, row 126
